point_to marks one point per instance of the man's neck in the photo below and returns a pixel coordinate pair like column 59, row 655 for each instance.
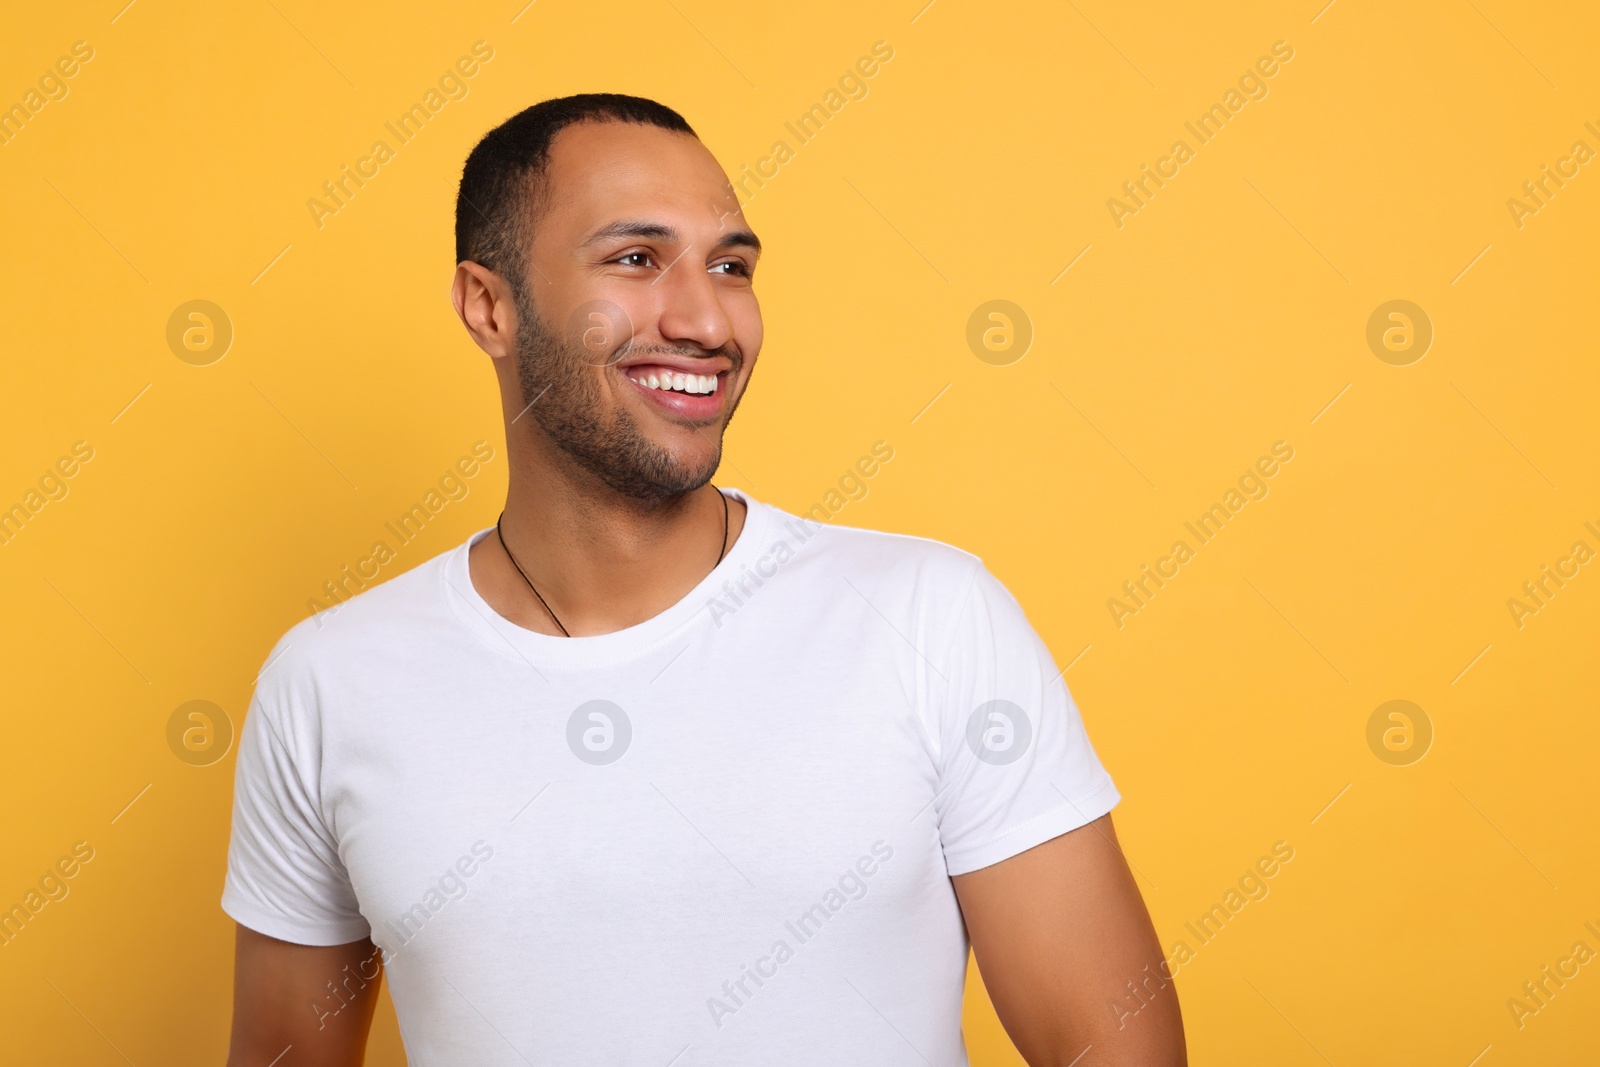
column 601, row 561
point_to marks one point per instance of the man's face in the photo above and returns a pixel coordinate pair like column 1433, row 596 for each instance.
column 640, row 271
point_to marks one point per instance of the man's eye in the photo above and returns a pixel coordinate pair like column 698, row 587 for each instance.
column 735, row 267
column 642, row 257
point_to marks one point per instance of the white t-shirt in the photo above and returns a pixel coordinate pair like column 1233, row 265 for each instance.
column 722, row 836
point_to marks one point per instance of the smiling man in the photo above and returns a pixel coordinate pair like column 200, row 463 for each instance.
column 576, row 816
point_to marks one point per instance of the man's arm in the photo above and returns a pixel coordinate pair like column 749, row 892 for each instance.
column 315, row 1003
column 1060, row 933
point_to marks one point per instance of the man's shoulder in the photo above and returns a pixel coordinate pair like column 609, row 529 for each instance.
column 382, row 620
column 879, row 558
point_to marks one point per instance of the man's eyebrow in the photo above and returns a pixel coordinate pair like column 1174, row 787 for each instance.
column 658, row 231
column 652, row 231
column 740, row 239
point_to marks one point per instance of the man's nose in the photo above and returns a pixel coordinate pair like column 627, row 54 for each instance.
column 691, row 309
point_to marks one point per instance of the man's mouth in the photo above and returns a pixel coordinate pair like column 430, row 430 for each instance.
column 684, row 394
column 674, row 381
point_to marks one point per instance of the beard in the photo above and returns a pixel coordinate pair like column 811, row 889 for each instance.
column 568, row 405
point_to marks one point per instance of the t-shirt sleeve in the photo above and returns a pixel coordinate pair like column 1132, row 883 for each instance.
column 285, row 878
column 1016, row 765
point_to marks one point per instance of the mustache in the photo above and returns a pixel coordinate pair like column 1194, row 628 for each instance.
column 594, row 325
column 729, row 351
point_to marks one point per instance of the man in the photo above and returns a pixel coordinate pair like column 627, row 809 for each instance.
column 653, row 773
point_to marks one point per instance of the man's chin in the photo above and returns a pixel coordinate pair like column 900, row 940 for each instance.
column 680, row 457
column 656, row 476
column 687, row 478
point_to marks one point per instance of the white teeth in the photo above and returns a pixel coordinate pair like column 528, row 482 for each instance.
column 697, row 384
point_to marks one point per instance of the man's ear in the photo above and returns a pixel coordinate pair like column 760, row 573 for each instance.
column 486, row 307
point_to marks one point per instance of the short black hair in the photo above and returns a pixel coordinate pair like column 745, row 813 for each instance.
column 502, row 181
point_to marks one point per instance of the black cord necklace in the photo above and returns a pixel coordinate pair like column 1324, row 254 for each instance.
column 546, row 606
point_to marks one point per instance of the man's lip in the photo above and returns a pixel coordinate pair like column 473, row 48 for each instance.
column 696, row 407
column 680, row 364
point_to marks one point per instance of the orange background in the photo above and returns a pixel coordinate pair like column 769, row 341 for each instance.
column 1167, row 354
